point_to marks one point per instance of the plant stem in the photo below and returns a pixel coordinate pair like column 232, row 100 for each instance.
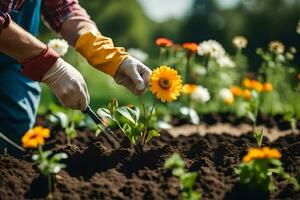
column 207, row 62
column 293, row 125
column 147, row 119
column 187, row 69
column 50, row 185
column 162, row 51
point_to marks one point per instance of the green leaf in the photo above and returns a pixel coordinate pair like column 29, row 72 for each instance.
column 129, row 133
column 163, row 125
column 135, row 112
column 259, row 135
column 152, row 134
column 251, row 116
column 113, row 106
column 191, row 195
column 58, row 157
column 191, row 114
column 175, row 161
column 127, row 113
column 178, row 172
column 104, row 113
column 59, row 118
column 188, row 180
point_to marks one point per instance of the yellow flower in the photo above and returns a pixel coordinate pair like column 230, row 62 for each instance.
column 165, row 83
column 189, row 88
column 261, row 153
column 267, row 87
column 35, row 137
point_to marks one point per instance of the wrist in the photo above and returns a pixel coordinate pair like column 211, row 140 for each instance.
column 36, row 67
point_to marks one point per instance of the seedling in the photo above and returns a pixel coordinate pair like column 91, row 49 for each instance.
column 258, row 168
column 129, row 121
column 290, row 117
column 258, row 136
column 165, row 84
column 187, row 179
column 48, row 163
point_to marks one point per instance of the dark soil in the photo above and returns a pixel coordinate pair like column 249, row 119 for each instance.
column 100, row 168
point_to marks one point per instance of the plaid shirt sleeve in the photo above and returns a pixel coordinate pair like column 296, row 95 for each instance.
column 55, row 12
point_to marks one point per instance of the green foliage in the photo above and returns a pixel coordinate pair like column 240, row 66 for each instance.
column 187, row 179
column 49, row 163
column 258, row 136
column 129, row 120
column 258, row 174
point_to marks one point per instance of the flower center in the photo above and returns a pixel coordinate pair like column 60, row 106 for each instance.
column 164, row 83
column 33, row 137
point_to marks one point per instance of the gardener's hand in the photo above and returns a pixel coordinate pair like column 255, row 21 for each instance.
column 68, row 85
column 134, row 75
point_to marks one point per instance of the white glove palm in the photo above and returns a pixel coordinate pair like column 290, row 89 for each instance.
column 134, row 75
column 68, row 85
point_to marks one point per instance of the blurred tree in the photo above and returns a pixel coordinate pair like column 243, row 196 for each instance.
column 260, row 21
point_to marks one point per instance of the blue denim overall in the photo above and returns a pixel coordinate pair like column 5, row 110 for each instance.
column 19, row 96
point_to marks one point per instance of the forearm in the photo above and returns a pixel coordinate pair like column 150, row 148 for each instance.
column 19, row 44
column 71, row 30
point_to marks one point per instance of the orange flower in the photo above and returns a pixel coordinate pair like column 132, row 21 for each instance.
column 271, row 153
column 163, row 42
column 189, row 88
column 191, row 47
column 261, row 153
column 247, row 94
column 256, row 85
column 267, row 87
column 236, row 91
column 298, row 76
column 35, row 137
column 247, row 83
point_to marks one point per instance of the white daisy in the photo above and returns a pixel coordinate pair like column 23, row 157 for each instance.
column 211, row 48
column 59, row 45
column 226, row 95
column 240, row 42
column 225, row 61
column 201, row 94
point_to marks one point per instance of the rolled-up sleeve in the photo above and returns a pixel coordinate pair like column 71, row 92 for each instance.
column 55, row 12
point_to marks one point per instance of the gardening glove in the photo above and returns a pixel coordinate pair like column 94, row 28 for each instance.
column 134, row 75
column 100, row 52
column 104, row 56
column 68, row 85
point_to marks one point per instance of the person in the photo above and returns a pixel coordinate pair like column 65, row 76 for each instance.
column 25, row 61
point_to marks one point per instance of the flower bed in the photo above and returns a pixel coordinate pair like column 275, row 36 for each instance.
column 101, row 168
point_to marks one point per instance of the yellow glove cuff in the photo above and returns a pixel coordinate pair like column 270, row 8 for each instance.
column 100, row 52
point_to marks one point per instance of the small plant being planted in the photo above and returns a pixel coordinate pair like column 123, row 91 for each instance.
column 48, row 163
column 165, row 84
column 187, row 179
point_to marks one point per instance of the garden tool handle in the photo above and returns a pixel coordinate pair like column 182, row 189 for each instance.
column 99, row 122
column 92, row 115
